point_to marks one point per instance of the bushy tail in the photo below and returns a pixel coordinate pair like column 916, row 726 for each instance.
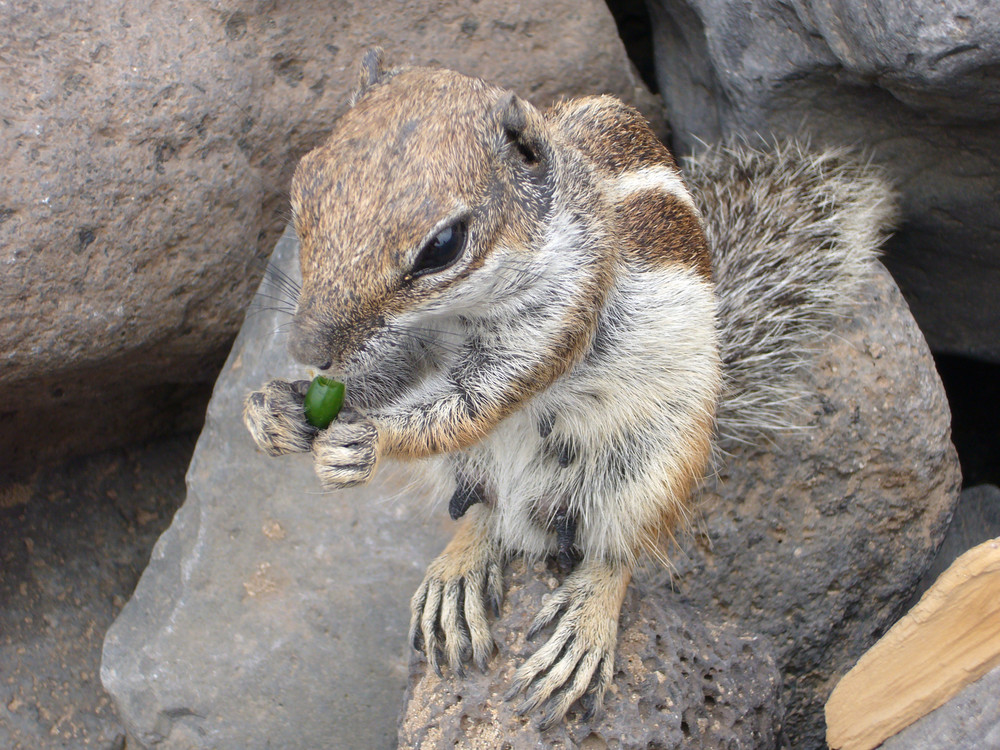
column 793, row 236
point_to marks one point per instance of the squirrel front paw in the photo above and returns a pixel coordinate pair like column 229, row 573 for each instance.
column 276, row 418
column 578, row 660
column 346, row 452
column 448, row 619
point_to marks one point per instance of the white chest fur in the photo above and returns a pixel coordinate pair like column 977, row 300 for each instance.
column 603, row 440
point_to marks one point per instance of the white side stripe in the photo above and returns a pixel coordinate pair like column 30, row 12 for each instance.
column 651, row 178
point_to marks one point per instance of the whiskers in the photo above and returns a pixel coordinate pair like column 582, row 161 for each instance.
column 279, row 292
column 282, row 283
column 513, row 277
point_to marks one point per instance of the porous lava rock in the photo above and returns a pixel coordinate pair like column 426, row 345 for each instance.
column 680, row 682
column 817, row 537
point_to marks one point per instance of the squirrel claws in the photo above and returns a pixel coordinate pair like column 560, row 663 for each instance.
column 457, row 639
column 345, row 453
column 561, row 673
column 578, row 659
column 448, row 624
column 276, row 418
column 494, row 586
column 553, row 605
column 448, row 621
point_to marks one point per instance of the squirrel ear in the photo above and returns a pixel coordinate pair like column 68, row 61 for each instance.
column 523, row 128
column 372, row 72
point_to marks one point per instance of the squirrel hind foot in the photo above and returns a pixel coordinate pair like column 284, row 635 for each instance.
column 578, row 659
column 448, row 612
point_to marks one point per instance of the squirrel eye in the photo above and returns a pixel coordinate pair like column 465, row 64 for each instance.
column 443, row 250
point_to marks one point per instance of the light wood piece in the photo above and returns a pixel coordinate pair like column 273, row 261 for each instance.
column 950, row 639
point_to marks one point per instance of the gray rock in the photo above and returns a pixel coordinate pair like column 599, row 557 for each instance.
column 147, row 151
column 817, row 539
column 976, row 520
column 271, row 614
column 680, row 682
column 970, row 721
column 914, row 83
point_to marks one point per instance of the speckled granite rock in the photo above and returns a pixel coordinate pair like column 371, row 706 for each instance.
column 916, row 82
column 680, row 682
column 147, row 151
column 271, row 614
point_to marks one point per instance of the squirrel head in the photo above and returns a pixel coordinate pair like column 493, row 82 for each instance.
column 402, row 208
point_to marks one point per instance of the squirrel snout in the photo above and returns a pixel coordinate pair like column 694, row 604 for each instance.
column 324, row 340
column 312, row 346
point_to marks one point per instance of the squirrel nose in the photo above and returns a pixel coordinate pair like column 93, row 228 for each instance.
column 311, row 342
column 308, row 348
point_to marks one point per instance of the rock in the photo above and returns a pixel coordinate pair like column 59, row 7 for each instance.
column 950, row 639
column 915, row 84
column 147, row 154
column 680, row 682
column 976, row 519
column 817, row 538
column 969, row 720
column 271, row 614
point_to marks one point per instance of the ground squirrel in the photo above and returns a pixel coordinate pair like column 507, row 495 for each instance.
column 532, row 295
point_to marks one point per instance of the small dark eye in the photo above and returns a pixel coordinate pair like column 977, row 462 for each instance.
column 443, row 250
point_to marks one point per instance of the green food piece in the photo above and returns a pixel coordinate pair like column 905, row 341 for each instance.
column 323, row 401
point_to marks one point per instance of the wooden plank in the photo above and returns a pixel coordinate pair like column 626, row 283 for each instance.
column 950, row 639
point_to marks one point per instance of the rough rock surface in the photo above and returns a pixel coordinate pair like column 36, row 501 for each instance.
column 916, row 83
column 969, row 720
column 271, row 614
column 817, row 539
column 680, row 682
column 147, row 150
